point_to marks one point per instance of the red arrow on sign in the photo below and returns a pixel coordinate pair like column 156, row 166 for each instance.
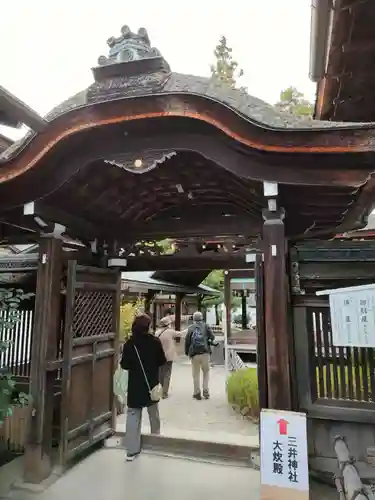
column 283, row 427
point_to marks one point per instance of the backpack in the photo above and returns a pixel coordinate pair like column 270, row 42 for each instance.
column 198, row 340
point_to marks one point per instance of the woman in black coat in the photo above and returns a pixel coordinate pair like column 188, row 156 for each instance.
column 152, row 357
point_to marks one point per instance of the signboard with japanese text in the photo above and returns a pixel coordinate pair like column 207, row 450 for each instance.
column 352, row 315
column 284, row 461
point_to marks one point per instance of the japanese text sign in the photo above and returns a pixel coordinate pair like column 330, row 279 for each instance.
column 352, row 315
column 284, row 461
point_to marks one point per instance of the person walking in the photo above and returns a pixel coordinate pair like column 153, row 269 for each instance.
column 142, row 357
column 167, row 336
column 198, row 342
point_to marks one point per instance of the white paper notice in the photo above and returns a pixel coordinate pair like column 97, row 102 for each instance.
column 353, row 316
column 284, row 461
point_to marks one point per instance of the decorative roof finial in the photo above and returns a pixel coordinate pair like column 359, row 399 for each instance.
column 129, row 47
column 131, row 63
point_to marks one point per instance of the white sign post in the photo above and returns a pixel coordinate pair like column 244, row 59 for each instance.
column 352, row 315
column 284, row 461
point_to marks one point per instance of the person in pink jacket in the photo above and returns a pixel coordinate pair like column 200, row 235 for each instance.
column 167, row 337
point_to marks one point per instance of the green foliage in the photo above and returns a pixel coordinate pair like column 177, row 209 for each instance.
column 10, row 300
column 292, row 101
column 225, row 70
column 242, row 392
column 214, row 280
column 128, row 312
column 167, row 246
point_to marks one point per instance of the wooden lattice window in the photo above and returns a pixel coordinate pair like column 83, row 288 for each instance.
column 93, row 313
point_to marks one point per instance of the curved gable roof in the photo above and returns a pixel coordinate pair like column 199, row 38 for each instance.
column 137, row 104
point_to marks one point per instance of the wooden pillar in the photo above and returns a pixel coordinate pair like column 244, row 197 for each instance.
column 178, row 304
column 243, row 310
column 228, row 304
column 276, row 307
column 199, row 302
column 154, row 316
column 47, row 316
column 148, row 299
column 261, row 340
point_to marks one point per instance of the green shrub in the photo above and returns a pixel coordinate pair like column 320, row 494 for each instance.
column 242, row 392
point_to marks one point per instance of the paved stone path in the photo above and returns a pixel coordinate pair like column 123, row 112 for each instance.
column 212, row 420
column 106, row 475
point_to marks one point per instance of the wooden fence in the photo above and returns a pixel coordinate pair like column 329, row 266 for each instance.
column 334, row 385
column 13, row 433
column 337, row 373
column 16, row 361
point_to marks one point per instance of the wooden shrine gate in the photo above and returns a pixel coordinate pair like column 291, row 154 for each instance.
column 89, row 350
column 335, row 386
column 73, row 358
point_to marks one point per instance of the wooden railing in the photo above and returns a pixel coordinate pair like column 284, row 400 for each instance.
column 234, row 361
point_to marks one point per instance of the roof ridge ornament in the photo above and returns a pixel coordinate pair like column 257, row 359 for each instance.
column 129, row 54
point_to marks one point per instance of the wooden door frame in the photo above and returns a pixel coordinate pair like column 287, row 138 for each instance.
column 97, row 345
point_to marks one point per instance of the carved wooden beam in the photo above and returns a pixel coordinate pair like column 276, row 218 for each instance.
column 44, row 215
column 176, row 263
column 204, row 226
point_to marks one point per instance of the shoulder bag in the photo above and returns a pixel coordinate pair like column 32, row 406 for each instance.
column 157, row 391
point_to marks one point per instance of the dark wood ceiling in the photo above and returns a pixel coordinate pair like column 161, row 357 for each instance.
column 185, row 196
column 347, row 91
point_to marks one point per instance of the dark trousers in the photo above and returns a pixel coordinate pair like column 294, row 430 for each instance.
column 165, row 373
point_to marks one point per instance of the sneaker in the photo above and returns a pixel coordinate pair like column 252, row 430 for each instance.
column 206, row 395
column 131, row 458
column 165, row 396
column 197, row 396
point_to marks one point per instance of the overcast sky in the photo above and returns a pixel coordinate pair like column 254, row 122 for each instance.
column 48, row 47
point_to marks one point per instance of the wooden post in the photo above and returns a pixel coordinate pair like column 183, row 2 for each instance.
column 199, row 302
column 243, row 310
column 227, row 303
column 38, row 463
column 148, row 299
column 276, row 315
column 261, row 340
column 276, row 304
column 178, row 304
column 154, row 316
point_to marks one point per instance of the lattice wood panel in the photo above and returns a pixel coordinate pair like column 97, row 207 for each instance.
column 93, row 313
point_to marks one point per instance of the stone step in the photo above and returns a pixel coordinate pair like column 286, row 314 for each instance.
column 244, row 455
